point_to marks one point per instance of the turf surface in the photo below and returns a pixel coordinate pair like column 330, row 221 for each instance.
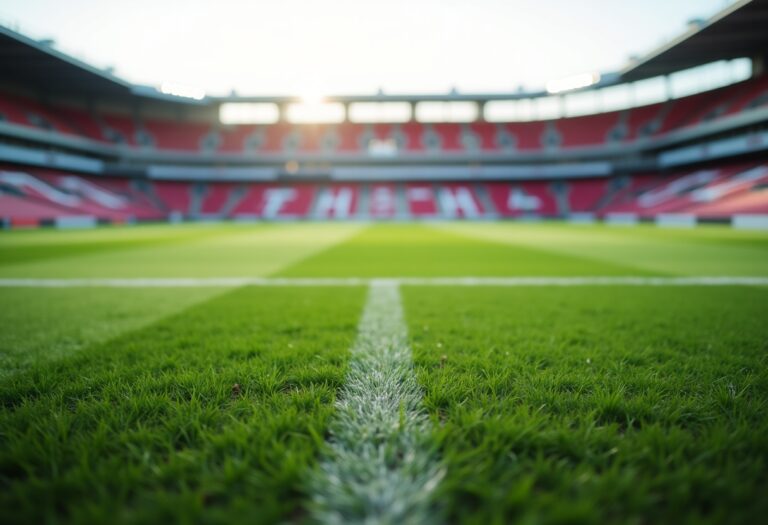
column 347, row 250
column 43, row 324
column 597, row 405
column 551, row 405
column 165, row 251
column 150, row 427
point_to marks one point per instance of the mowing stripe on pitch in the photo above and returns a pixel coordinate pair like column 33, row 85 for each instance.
column 379, row 466
column 182, row 282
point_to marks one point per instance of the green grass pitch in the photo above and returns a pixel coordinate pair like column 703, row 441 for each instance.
column 585, row 404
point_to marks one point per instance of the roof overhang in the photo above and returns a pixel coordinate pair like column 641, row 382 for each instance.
column 37, row 64
column 735, row 32
column 738, row 31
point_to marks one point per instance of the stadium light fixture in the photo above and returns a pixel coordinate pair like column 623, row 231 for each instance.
column 180, row 90
column 579, row 81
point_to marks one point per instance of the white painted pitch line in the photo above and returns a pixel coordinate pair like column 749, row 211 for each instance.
column 181, row 282
column 380, row 467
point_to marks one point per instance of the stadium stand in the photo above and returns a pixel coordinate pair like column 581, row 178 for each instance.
column 588, row 130
column 118, row 153
column 421, row 201
column 337, row 202
column 382, row 201
column 19, row 211
column 186, row 136
column 712, row 193
column 175, row 196
column 459, row 201
column 215, row 198
column 586, row 195
column 412, row 137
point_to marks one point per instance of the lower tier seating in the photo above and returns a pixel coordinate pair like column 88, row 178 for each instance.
column 31, row 195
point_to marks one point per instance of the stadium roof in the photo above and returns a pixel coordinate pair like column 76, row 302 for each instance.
column 737, row 31
column 38, row 64
column 740, row 30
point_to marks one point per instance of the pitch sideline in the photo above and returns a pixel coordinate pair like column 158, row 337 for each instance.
column 379, row 466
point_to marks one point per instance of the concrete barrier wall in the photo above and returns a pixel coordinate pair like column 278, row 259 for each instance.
column 582, row 218
column 750, row 222
column 75, row 221
column 621, row 219
column 675, row 220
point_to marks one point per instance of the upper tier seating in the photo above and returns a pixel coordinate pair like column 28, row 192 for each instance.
column 408, row 138
column 29, row 113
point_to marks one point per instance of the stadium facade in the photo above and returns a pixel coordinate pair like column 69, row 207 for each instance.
column 680, row 135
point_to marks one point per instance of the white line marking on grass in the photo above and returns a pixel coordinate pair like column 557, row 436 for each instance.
column 181, row 282
column 380, row 467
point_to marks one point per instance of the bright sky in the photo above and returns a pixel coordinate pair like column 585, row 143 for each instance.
column 354, row 46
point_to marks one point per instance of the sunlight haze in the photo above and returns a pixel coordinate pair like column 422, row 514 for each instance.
column 354, row 46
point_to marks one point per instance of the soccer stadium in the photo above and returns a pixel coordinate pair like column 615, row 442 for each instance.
column 541, row 304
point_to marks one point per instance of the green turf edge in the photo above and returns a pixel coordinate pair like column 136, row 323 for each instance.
column 148, row 427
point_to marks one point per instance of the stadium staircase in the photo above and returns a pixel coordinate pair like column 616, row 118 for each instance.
column 560, row 191
column 197, row 194
column 234, row 197
column 364, row 202
column 481, row 192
